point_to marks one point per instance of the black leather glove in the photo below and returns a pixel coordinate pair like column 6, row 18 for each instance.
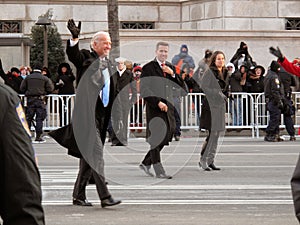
column 75, row 30
column 277, row 53
column 280, row 105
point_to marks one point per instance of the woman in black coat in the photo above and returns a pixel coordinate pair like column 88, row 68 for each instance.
column 215, row 86
column 64, row 85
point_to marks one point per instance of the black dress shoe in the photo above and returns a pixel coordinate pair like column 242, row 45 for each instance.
column 213, row 167
column 81, row 202
column 109, row 202
column 292, row 138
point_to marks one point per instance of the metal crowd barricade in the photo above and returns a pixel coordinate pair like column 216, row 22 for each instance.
column 137, row 115
column 296, row 99
column 243, row 111
column 190, row 110
column 240, row 112
column 239, row 105
column 59, row 110
column 261, row 113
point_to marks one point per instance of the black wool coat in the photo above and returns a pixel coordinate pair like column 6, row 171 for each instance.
column 87, row 63
column 155, row 88
column 213, row 107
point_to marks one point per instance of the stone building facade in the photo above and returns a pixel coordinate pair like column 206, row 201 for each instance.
column 201, row 24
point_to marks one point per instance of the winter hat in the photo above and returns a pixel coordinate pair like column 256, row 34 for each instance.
column 262, row 69
column 67, row 65
column 14, row 69
column 208, row 53
column 231, row 65
column 183, row 46
column 242, row 44
column 137, row 68
column 274, row 66
column 120, row 60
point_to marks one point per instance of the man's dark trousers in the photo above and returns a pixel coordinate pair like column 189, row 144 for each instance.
column 84, row 175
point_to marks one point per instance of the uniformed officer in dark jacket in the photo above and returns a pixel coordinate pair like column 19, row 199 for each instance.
column 274, row 99
column 20, row 186
column 36, row 86
column 287, row 80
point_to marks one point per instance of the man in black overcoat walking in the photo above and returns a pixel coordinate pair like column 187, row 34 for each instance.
column 94, row 97
column 157, row 82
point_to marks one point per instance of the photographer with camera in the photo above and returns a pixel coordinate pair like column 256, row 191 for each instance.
column 242, row 56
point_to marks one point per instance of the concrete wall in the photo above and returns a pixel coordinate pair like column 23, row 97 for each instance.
column 139, row 47
column 218, row 25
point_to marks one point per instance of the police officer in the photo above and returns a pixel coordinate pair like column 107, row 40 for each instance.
column 274, row 99
column 36, row 86
column 287, row 80
column 20, row 186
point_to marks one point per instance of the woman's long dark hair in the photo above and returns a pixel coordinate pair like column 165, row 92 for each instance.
column 212, row 63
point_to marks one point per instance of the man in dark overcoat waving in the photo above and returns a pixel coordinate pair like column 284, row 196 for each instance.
column 94, row 97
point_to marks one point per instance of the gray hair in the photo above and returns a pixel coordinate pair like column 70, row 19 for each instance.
column 98, row 36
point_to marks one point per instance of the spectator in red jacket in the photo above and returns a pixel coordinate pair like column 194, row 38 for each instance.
column 282, row 60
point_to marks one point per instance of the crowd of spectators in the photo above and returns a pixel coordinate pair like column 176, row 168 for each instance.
column 245, row 76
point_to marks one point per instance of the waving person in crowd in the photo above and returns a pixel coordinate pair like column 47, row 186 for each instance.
column 242, row 56
column 282, row 60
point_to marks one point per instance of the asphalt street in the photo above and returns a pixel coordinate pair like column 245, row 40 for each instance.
column 253, row 186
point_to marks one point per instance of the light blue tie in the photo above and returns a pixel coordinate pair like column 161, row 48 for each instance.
column 106, row 87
